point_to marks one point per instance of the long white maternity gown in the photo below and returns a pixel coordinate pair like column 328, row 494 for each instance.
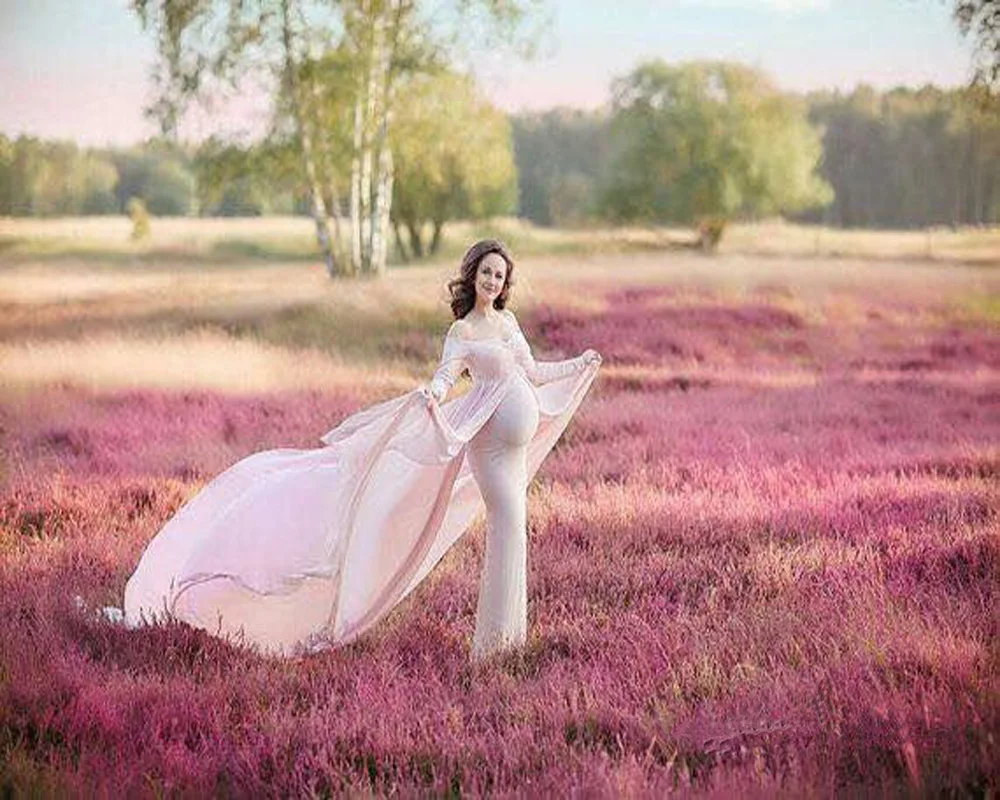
column 296, row 551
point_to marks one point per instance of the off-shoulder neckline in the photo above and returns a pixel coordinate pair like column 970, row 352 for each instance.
column 505, row 339
column 488, row 339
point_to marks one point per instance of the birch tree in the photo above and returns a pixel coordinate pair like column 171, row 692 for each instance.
column 981, row 20
column 385, row 42
column 209, row 46
column 375, row 42
column 374, row 29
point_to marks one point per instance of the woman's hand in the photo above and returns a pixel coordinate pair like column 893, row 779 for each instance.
column 425, row 391
column 591, row 357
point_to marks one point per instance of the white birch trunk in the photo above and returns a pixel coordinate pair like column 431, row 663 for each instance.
column 319, row 210
column 372, row 85
column 394, row 16
column 383, row 187
column 356, row 189
column 328, row 167
column 380, row 250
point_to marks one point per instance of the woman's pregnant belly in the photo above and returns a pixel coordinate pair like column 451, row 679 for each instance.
column 515, row 419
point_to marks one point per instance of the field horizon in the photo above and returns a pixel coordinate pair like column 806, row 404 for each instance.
column 222, row 241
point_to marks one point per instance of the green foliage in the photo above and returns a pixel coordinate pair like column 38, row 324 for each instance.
column 909, row 157
column 7, row 188
column 708, row 139
column 54, row 178
column 171, row 189
column 39, row 178
column 329, row 85
column 160, row 174
column 560, row 157
column 235, row 181
column 97, row 180
column 452, row 155
column 140, row 218
column 981, row 20
column 710, row 230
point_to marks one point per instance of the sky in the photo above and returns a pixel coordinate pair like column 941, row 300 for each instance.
column 80, row 69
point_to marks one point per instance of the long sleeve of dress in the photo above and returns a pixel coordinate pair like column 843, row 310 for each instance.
column 451, row 366
column 540, row 372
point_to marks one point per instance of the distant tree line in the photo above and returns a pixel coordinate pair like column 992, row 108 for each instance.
column 453, row 159
column 45, row 178
column 909, row 157
column 897, row 159
column 677, row 144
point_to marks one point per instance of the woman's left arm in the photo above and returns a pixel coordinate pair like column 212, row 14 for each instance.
column 540, row 372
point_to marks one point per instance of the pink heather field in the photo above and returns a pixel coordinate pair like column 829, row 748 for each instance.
column 763, row 559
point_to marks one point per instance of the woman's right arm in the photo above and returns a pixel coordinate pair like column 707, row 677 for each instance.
column 452, row 365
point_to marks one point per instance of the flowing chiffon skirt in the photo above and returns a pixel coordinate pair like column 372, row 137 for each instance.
column 295, row 551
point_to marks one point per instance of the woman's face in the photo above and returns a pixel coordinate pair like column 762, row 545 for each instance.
column 490, row 277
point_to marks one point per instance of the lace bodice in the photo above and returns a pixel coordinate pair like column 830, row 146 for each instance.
column 495, row 359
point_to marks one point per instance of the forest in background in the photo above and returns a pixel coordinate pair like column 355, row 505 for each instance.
column 903, row 158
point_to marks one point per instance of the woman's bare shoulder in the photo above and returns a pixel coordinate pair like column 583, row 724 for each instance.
column 511, row 321
column 459, row 329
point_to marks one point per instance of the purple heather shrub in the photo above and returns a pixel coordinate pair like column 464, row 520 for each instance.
column 189, row 434
column 741, row 582
column 634, row 329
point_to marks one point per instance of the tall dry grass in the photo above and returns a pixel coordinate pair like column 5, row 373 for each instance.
column 221, row 241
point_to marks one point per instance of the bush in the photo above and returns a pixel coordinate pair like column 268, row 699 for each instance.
column 710, row 230
column 140, row 218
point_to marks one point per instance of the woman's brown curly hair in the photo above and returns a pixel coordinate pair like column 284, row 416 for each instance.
column 463, row 288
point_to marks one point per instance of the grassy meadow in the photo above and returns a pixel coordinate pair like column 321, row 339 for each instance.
column 764, row 558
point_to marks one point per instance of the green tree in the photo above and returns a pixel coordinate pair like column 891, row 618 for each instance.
column 981, row 20
column 708, row 141
column 49, row 178
column 229, row 183
column 561, row 155
column 27, row 159
column 52, row 192
column 906, row 157
column 95, row 178
column 205, row 44
column 7, row 189
column 159, row 174
column 170, row 191
column 453, row 159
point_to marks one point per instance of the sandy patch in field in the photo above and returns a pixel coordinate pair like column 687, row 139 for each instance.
column 199, row 360
column 771, row 237
column 29, row 288
column 40, row 283
column 116, row 231
column 572, row 281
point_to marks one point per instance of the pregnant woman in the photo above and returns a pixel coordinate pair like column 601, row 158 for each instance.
column 296, row 551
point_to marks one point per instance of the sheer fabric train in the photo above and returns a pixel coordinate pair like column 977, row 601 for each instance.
column 296, row 551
